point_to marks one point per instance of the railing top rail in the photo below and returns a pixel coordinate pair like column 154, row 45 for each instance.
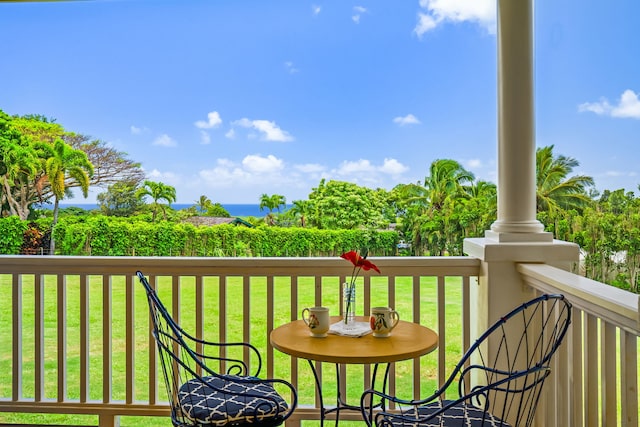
column 258, row 266
column 615, row 305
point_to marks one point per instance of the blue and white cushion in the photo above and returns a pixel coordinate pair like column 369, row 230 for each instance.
column 459, row 415
column 238, row 403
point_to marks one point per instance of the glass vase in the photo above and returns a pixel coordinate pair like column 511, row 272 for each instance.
column 349, row 305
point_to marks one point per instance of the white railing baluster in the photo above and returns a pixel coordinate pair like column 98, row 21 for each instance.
column 466, row 320
column 107, row 316
column 629, row 378
column 39, row 393
column 200, row 313
column 62, row 338
column 270, row 366
column 577, row 394
column 130, row 338
column 592, row 383
column 17, row 345
column 84, row 338
column 442, row 374
column 153, row 355
column 609, row 375
column 417, row 312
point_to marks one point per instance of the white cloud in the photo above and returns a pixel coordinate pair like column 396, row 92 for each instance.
column 348, row 168
column 258, row 164
column 439, row 12
column 291, row 69
column 628, row 106
column 316, row 9
column 358, row 11
column 213, row 120
column 255, row 174
column 409, row 119
column 393, row 167
column 164, row 140
column 363, row 172
column 269, row 130
column 231, row 134
column 363, row 166
column 205, row 139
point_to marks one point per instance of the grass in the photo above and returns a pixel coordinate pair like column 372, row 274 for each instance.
column 235, row 292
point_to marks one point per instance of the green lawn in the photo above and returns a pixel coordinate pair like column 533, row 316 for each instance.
column 258, row 335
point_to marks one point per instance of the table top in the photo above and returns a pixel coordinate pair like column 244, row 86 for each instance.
column 407, row 341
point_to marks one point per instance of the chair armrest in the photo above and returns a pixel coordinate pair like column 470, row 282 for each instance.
column 237, row 366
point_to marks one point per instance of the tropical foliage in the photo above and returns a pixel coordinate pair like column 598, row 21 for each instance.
column 158, row 191
column 42, row 163
column 33, row 149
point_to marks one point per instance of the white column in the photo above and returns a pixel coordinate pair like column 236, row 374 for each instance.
column 516, row 236
column 516, row 219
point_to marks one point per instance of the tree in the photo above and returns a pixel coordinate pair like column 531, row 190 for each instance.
column 216, row 209
column 21, row 169
column 158, row 191
column 554, row 191
column 301, row 209
column 447, row 178
column 203, row 203
column 344, row 205
column 66, row 162
column 110, row 165
column 273, row 202
column 121, row 199
column 432, row 212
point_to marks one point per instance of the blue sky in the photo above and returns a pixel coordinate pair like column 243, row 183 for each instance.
column 235, row 98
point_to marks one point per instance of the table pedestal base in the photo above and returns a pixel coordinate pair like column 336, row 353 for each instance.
column 340, row 403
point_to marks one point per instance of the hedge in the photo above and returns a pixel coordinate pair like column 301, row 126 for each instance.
column 112, row 236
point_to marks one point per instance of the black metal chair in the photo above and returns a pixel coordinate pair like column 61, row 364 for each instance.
column 198, row 395
column 503, row 391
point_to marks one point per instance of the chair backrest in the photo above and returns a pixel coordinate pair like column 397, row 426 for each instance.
column 507, row 383
column 182, row 356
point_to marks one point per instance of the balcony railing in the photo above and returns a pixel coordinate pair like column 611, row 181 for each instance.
column 80, row 340
column 595, row 377
column 81, row 344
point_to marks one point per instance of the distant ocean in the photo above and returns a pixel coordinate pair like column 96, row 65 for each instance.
column 233, row 209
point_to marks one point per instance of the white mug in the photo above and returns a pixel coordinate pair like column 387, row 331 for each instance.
column 383, row 320
column 317, row 319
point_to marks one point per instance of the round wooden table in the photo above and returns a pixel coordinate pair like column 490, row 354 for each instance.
column 407, row 341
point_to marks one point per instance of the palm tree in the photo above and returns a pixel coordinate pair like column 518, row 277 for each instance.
column 65, row 164
column 300, row 209
column 423, row 206
column 158, row 191
column 554, row 191
column 203, row 204
column 447, row 178
column 271, row 202
column 18, row 164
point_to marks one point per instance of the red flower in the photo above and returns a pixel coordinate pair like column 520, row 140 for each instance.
column 359, row 261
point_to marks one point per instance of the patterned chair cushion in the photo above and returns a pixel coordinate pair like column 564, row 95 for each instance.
column 459, row 415
column 207, row 406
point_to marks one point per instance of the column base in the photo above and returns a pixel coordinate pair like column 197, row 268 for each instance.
column 502, row 237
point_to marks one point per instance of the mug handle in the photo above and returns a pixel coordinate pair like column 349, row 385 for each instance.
column 395, row 318
column 305, row 319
